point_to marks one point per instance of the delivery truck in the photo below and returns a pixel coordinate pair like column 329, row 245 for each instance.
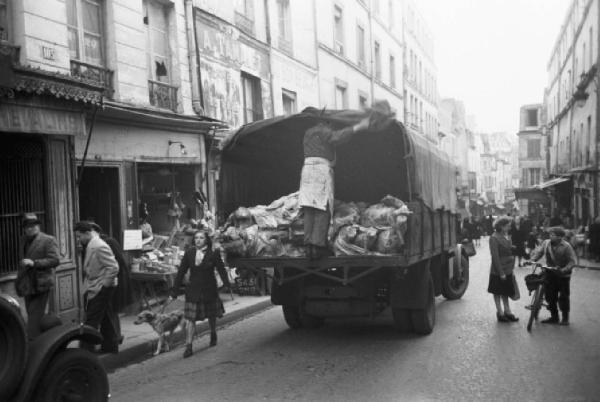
column 262, row 161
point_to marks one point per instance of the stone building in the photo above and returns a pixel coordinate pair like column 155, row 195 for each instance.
column 532, row 154
column 571, row 103
column 102, row 113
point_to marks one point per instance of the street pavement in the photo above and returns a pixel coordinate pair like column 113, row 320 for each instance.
column 469, row 357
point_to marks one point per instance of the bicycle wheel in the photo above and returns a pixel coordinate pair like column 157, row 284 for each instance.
column 534, row 307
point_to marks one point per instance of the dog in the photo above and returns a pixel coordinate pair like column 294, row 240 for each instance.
column 161, row 323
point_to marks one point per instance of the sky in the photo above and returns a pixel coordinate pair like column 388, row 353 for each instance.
column 492, row 54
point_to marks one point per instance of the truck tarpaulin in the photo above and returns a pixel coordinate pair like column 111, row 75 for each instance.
column 262, row 161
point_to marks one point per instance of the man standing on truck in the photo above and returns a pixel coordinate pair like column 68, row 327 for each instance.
column 316, row 182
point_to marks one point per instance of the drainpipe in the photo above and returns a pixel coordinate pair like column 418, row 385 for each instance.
column 193, row 58
column 270, row 43
column 596, row 153
column 370, row 16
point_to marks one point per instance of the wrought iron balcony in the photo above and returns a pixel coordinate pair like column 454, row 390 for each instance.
column 245, row 23
column 97, row 74
column 163, row 95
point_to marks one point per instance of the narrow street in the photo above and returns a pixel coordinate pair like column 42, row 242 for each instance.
column 469, row 356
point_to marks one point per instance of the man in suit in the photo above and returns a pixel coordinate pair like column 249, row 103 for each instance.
column 101, row 270
column 39, row 258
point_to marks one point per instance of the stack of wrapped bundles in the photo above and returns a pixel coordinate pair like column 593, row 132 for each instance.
column 278, row 229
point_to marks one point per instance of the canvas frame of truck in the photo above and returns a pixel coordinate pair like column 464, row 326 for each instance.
column 262, row 161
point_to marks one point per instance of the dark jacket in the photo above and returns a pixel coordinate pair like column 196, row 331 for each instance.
column 203, row 284
column 320, row 141
column 43, row 250
column 122, row 297
column 564, row 257
column 502, row 255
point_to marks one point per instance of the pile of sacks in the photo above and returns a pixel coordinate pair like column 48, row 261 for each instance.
column 278, row 229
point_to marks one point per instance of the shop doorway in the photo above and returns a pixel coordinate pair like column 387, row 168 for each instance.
column 99, row 198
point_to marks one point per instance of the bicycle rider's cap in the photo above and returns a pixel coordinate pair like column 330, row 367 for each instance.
column 557, row 230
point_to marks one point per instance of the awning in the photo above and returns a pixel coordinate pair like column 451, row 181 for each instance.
column 552, row 182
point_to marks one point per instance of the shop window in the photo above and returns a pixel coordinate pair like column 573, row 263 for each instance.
column 252, row 97
column 85, row 30
column 289, row 102
column 283, row 13
column 4, row 21
column 166, row 192
column 21, row 190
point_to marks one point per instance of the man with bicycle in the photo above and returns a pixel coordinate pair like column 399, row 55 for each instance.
column 561, row 255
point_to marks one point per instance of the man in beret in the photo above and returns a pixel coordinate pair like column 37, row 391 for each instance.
column 36, row 271
column 559, row 254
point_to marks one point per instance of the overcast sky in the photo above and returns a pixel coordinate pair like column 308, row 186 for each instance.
column 492, row 54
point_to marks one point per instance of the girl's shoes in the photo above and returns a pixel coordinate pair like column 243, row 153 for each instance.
column 188, row 351
column 501, row 317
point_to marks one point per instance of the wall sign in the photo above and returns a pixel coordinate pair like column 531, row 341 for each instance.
column 35, row 119
column 132, row 239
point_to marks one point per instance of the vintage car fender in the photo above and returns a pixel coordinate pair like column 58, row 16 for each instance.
column 45, row 347
column 14, row 347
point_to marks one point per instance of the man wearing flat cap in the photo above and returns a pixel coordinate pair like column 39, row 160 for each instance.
column 39, row 257
column 560, row 254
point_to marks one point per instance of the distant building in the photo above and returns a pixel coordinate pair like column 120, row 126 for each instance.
column 532, row 152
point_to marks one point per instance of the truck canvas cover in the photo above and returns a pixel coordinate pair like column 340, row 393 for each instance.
column 262, row 161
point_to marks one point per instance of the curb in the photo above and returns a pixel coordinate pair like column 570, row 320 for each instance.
column 144, row 350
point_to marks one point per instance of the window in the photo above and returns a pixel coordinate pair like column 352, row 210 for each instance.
column 289, row 101
column 341, row 97
column 532, row 118
column 362, row 100
column 360, row 44
column 392, row 71
column 283, row 12
column 533, row 148
column 248, row 8
column 252, row 97
column 339, row 30
column 157, row 41
column 534, row 176
column 21, row 189
column 84, row 22
column 377, row 56
column 4, row 28
column 391, row 13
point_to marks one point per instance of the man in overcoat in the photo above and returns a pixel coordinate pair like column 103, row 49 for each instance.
column 36, row 272
column 101, row 269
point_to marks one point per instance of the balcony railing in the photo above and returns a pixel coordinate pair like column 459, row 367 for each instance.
column 245, row 23
column 163, row 95
column 100, row 75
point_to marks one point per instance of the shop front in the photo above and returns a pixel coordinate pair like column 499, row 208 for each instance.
column 533, row 203
column 37, row 131
column 144, row 182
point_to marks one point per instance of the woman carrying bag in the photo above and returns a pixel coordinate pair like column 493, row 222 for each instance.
column 502, row 283
column 202, row 299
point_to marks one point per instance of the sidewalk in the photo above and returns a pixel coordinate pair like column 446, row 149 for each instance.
column 588, row 264
column 140, row 340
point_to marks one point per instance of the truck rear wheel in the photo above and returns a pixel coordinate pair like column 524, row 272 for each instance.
column 402, row 321
column 423, row 320
column 458, row 267
column 291, row 314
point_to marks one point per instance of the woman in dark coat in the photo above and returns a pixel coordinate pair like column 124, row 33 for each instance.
column 502, row 283
column 201, row 294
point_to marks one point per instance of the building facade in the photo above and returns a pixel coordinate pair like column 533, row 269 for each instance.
column 532, row 160
column 421, row 97
column 121, row 131
column 571, row 103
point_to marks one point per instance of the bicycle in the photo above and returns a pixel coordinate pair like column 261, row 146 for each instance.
column 536, row 283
